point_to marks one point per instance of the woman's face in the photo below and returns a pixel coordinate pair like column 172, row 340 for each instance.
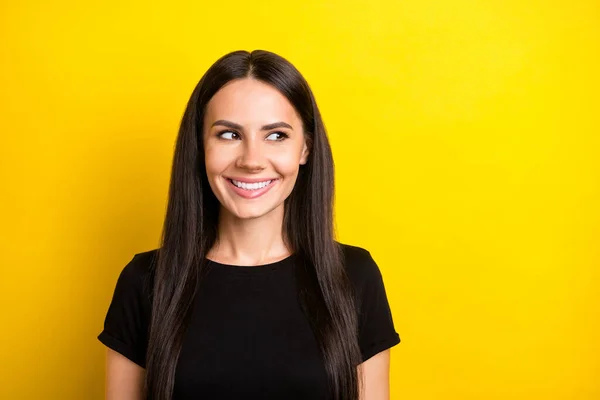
column 254, row 145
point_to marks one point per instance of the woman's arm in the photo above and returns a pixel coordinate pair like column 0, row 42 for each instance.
column 375, row 377
column 124, row 378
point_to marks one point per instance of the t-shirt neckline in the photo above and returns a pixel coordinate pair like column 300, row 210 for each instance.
column 252, row 269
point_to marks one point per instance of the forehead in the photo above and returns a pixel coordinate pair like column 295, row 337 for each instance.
column 249, row 101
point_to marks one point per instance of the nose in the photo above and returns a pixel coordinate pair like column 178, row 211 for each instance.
column 251, row 157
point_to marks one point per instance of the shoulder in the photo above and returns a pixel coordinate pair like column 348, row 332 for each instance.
column 135, row 283
column 360, row 266
column 128, row 317
column 139, row 271
column 143, row 263
column 376, row 331
column 358, row 260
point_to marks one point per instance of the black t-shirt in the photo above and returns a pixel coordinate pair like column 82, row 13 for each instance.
column 248, row 337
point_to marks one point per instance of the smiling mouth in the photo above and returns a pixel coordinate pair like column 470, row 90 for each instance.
column 251, row 186
column 251, row 190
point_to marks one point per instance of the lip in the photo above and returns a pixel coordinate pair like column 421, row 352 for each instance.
column 250, row 180
column 251, row 194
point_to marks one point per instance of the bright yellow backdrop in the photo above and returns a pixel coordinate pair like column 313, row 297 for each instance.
column 467, row 147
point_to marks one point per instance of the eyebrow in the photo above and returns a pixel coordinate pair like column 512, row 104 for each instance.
column 267, row 127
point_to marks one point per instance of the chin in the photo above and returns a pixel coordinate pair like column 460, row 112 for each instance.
column 250, row 216
column 246, row 212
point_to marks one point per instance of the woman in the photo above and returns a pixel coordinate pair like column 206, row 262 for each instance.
column 249, row 296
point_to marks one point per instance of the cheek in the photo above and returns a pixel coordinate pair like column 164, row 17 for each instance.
column 214, row 161
column 286, row 164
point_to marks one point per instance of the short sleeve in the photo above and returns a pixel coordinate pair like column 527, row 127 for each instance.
column 127, row 319
column 376, row 331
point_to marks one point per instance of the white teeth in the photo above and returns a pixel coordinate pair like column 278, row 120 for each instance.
column 250, row 186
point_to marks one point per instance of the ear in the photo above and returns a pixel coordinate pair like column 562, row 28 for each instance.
column 305, row 152
column 306, row 148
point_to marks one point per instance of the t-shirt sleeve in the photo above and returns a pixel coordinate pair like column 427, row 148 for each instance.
column 127, row 319
column 376, row 331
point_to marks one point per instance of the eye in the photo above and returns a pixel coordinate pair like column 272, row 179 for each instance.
column 283, row 136
column 227, row 135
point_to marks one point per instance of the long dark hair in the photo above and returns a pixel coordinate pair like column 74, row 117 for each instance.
column 190, row 231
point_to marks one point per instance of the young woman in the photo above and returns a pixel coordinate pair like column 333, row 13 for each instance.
column 249, row 296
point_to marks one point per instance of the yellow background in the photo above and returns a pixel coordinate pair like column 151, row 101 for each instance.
column 467, row 149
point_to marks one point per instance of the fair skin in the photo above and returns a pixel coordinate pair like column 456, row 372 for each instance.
column 237, row 145
column 251, row 131
column 124, row 378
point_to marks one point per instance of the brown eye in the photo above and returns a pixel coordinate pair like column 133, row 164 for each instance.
column 227, row 135
column 282, row 136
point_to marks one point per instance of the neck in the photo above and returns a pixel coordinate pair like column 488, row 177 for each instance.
column 250, row 241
